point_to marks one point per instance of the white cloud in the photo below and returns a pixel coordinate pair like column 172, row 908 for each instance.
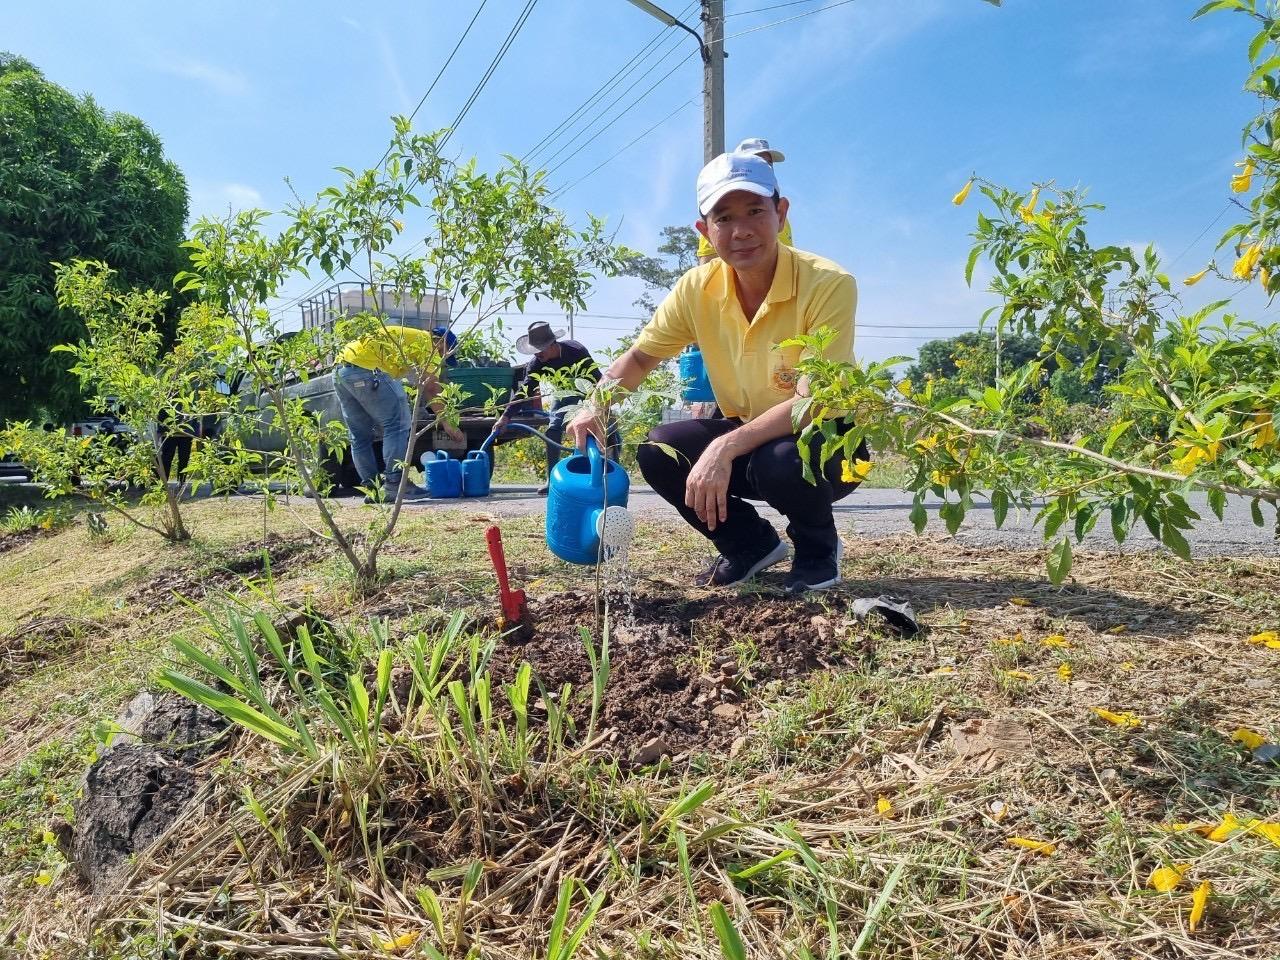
column 230, row 83
column 217, row 199
column 391, row 65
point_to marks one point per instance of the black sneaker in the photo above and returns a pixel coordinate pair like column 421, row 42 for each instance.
column 726, row 571
column 542, row 491
column 815, row 573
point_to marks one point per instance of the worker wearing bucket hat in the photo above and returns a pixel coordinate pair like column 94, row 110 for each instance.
column 760, row 148
column 567, row 360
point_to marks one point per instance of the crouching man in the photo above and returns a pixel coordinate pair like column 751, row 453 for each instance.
column 738, row 309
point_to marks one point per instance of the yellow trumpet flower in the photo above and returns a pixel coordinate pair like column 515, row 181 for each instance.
column 1242, row 181
column 854, row 472
column 1243, row 270
column 963, row 195
column 1028, row 210
column 1195, row 278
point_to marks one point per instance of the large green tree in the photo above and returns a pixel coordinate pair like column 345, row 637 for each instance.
column 76, row 182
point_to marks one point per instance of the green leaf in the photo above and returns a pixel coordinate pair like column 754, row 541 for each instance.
column 1217, row 502
column 1255, row 511
column 999, row 506
column 1059, row 561
column 952, row 513
column 919, row 516
column 1175, row 541
column 731, row 947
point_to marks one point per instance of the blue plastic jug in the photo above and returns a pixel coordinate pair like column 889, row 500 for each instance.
column 697, row 385
column 475, row 474
column 580, row 488
column 444, row 475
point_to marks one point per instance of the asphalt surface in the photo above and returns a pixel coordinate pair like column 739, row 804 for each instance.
column 881, row 513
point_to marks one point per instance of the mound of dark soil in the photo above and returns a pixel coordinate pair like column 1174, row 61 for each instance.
column 679, row 666
column 142, row 784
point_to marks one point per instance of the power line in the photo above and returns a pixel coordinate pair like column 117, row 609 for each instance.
column 798, row 16
column 493, row 66
column 776, row 6
column 600, row 166
column 600, row 91
column 577, row 144
column 315, row 288
column 1200, row 235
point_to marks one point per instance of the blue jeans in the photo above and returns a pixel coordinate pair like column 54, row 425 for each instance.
column 371, row 401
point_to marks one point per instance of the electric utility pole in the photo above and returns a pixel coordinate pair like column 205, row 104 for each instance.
column 711, row 46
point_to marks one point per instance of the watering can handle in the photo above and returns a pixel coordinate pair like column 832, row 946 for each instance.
column 597, row 461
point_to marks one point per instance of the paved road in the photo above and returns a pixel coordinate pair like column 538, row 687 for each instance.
column 878, row 513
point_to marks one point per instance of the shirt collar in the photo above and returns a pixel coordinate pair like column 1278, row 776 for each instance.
column 783, row 288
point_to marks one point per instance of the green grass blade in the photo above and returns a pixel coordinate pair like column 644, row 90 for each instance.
column 731, row 947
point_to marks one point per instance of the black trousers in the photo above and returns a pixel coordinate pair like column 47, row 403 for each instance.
column 773, row 472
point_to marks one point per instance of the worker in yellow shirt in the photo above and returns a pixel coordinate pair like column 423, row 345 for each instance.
column 738, row 309
column 367, row 380
column 760, row 147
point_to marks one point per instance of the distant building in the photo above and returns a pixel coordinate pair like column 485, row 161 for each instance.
column 349, row 299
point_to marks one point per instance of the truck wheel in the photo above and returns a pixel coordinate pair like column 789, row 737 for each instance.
column 342, row 473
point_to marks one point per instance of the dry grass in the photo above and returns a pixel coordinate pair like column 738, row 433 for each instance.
column 945, row 726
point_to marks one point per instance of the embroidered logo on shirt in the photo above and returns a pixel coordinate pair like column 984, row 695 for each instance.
column 785, row 378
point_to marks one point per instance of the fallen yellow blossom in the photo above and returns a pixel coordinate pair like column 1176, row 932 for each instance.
column 1267, row 638
column 1042, row 847
column 1065, row 673
column 1019, row 675
column 1020, row 601
column 1249, row 738
column 402, row 942
column 1224, row 830
column 1269, row 830
column 1199, row 900
column 1124, row 719
column 884, row 807
column 1167, row 879
column 1055, row 640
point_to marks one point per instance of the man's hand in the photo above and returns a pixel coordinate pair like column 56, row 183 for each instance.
column 453, row 433
column 588, row 421
column 706, row 490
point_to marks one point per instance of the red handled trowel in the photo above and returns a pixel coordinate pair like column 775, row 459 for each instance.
column 515, row 606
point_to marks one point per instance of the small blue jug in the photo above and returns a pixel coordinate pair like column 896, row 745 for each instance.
column 697, row 385
column 580, row 488
column 444, row 475
column 475, row 474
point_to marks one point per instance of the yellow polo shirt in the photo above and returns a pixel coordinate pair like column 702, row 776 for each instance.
column 705, row 249
column 749, row 373
column 393, row 351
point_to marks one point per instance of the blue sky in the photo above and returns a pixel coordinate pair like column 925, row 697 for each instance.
column 883, row 107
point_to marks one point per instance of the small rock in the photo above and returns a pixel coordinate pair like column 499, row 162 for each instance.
column 1267, row 753
column 729, row 669
column 727, row 712
column 651, row 751
column 737, row 746
column 1109, row 775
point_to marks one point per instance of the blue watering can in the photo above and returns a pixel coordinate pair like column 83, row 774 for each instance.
column 586, row 502
column 475, row 474
column 693, row 372
column 444, row 475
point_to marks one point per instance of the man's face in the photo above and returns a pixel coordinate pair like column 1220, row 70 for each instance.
column 743, row 228
column 549, row 352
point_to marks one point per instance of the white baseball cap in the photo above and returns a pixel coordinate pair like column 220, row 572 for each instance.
column 734, row 171
column 760, row 147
